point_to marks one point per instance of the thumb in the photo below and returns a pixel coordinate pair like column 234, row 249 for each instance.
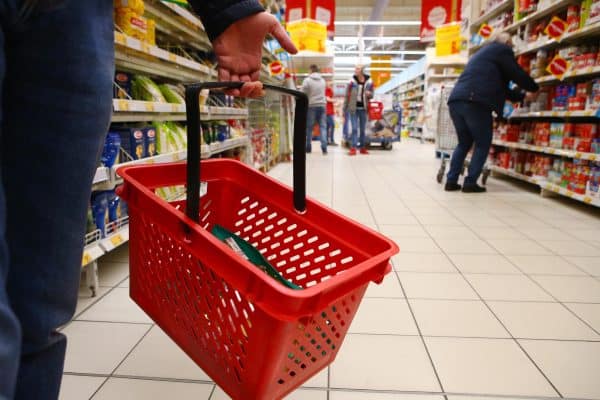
column 282, row 37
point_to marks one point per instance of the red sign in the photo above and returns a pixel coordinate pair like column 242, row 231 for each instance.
column 556, row 27
column 275, row 68
column 435, row 13
column 558, row 67
column 320, row 10
column 486, row 31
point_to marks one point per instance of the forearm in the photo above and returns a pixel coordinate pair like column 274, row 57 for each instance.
column 217, row 15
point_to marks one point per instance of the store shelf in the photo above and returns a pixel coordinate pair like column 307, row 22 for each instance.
column 551, row 9
column 414, row 97
column 582, row 33
column 137, row 111
column 139, row 57
column 494, row 12
column 117, row 233
column 514, row 174
column 410, row 88
column 178, row 24
column 449, row 61
column 593, row 201
column 540, row 44
column 443, row 77
column 92, row 250
column 549, row 150
column 557, row 114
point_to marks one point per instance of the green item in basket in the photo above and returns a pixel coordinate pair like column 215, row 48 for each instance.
column 249, row 252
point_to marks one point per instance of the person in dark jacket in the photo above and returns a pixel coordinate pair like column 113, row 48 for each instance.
column 55, row 116
column 480, row 91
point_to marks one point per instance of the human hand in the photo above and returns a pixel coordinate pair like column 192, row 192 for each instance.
column 239, row 51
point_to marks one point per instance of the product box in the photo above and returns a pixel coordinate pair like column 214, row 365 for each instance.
column 595, row 146
column 122, row 89
column 576, row 103
column 557, row 130
column 133, row 142
column 150, row 138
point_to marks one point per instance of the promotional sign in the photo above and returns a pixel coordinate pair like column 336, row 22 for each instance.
column 486, row 31
column 276, row 68
column 558, row 67
column 556, row 28
column 320, row 10
column 381, row 69
column 435, row 13
column 308, row 34
column 447, row 40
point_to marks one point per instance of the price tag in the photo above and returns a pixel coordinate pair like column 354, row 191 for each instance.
column 145, row 47
column 116, row 239
column 87, row 258
column 556, row 28
column 149, row 160
column 593, row 157
column 587, row 200
column 577, row 155
column 485, row 31
column 149, row 107
column 172, row 57
column 176, row 157
column 123, row 105
column 588, row 113
column 174, row 107
column 120, row 38
column 551, row 151
column 568, row 193
column 558, row 67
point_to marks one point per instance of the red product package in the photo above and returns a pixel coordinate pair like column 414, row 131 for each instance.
column 583, row 89
column 576, row 103
column 586, row 131
column 573, row 18
column 584, row 145
column 568, row 143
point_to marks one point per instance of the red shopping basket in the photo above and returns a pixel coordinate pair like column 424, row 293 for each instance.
column 256, row 338
column 375, row 110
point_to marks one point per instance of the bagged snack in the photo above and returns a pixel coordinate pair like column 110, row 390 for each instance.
column 143, row 88
column 171, row 94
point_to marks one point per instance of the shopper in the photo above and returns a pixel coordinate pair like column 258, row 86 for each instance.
column 358, row 94
column 482, row 89
column 56, row 70
column 314, row 87
column 330, row 114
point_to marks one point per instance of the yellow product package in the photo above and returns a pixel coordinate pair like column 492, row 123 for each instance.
column 151, row 32
column 131, row 24
column 136, row 5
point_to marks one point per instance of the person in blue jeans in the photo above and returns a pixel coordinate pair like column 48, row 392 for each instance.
column 480, row 90
column 356, row 100
column 314, row 87
column 56, row 73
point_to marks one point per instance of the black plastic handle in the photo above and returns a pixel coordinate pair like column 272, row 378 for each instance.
column 192, row 93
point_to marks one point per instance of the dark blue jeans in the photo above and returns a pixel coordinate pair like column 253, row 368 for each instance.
column 347, row 128
column 316, row 115
column 330, row 128
column 56, row 71
column 359, row 122
column 473, row 123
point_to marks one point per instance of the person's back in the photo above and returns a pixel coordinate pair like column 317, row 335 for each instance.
column 314, row 87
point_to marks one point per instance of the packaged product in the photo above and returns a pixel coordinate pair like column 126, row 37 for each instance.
column 133, row 142
column 556, row 134
column 143, row 88
column 172, row 94
column 99, row 209
column 590, row 12
column 131, row 23
column 573, row 18
column 136, row 6
column 151, row 32
column 150, row 141
column 110, row 153
column 122, row 87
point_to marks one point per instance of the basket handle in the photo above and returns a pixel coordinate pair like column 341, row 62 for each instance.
column 192, row 101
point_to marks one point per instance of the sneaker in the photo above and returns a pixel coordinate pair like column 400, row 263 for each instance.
column 364, row 151
column 352, row 152
column 452, row 187
column 473, row 189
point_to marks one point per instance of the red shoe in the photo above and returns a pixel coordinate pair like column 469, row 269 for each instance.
column 364, row 151
column 352, row 152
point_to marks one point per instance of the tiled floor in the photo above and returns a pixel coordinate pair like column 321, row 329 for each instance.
column 493, row 296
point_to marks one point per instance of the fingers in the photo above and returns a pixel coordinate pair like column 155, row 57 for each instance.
column 284, row 40
column 252, row 89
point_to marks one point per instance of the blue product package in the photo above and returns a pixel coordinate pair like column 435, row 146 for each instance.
column 113, row 205
column 99, row 208
column 150, row 141
column 133, row 142
column 110, row 153
column 122, row 87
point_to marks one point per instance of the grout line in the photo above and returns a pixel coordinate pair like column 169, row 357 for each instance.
column 132, row 349
column 151, row 323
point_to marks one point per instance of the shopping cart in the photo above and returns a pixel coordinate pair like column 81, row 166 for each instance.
column 445, row 136
column 379, row 128
column 256, row 338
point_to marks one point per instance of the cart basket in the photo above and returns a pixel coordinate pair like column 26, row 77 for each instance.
column 256, row 338
column 375, row 109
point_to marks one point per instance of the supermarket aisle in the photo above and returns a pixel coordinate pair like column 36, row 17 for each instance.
column 492, row 295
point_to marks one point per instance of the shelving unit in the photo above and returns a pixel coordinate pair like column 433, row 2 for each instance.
column 548, row 150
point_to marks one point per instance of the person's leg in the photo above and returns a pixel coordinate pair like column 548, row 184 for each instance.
column 52, row 134
column 346, row 128
column 10, row 330
column 459, row 112
column 330, row 128
column 310, row 123
column 354, row 137
column 322, row 120
column 362, row 115
column 480, row 123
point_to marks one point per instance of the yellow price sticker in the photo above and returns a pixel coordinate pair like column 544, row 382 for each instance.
column 123, row 105
column 116, row 240
column 593, row 157
column 149, row 107
column 176, row 157
column 569, row 193
column 87, row 258
column 587, row 200
column 145, row 47
column 588, row 113
column 174, row 107
column 172, row 57
column 551, row 151
column 578, row 155
column 120, row 38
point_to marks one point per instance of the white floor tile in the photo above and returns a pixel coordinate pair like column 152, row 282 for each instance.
column 365, row 395
column 300, row 394
column 422, row 262
column 138, row 389
column 319, row 380
column 507, row 287
column 591, row 265
column 456, row 318
column 402, row 230
column 389, row 288
column 483, row 264
column 590, row 313
column 116, row 306
column 490, row 366
column 465, row 246
column 157, row 356
column 85, row 299
column 125, row 283
column 542, row 321
column 571, row 366
column 444, row 220
column 384, row 316
column 417, row 245
column 373, row 362
column 110, row 274
column 450, row 232
column 584, row 234
column 76, row 387
column 485, row 232
column 436, row 286
column 545, row 265
column 491, row 222
column 545, row 233
column 571, row 288
column 571, row 248
column 518, row 247
column 98, row 348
